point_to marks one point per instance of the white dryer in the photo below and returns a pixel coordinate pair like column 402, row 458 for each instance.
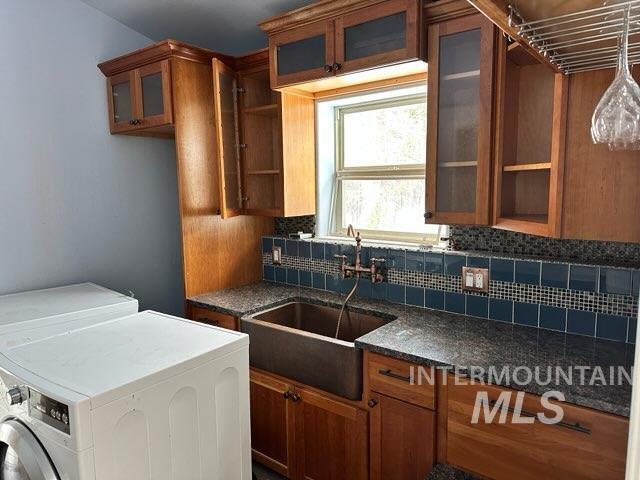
column 145, row 396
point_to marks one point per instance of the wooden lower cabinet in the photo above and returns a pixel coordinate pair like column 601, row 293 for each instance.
column 303, row 434
column 594, row 450
column 210, row 317
column 402, row 439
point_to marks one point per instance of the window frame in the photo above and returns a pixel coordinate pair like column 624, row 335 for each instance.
column 387, row 172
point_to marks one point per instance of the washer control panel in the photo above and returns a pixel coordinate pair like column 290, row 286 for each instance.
column 49, row 411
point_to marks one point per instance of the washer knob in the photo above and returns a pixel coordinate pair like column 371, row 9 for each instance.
column 14, row 396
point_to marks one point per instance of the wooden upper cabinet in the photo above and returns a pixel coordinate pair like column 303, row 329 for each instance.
column 303, row 54
column 330, row 38
column 140, row 98
column 530, row 144
column 459, row 119
column 383, row 34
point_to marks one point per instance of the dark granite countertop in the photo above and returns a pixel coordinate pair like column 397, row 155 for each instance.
column 446, row 472
column 434, row 338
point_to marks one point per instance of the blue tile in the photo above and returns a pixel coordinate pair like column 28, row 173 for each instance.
column 477, row 306
column 318, row 280
column 581, row 322
column 553, row 318
column 615, row 280
column 379, row 291
column 396, row 259
column 317, row 250
column 395, row 293
column 415, row 261
column 267, row 244
column 330, row 250
column 583, row 278
column 365, row 256
column 346, row 285
column 612, row 327
column 633, row 325
column 268, row 273
column 501, row 310
column 635, row 284
column 527, row 272
column 433, row 262
column 305, row 278
column 453, row 264
column 304, row 249
column 501, row 270
column 279, row 242
column 525, row 314
column 292, row 248
column 434, row 299
column 281, row 275
column 478, row 262
column 380, row 253
column 364, row 288
column 292, row 276
column 333, row 283
column 555, row 275
column 454, row 302
column 415, row 296
column 348, row 249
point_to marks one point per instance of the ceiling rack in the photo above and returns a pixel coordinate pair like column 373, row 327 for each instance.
column 582, row 41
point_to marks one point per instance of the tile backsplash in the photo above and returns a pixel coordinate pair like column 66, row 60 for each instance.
column 593, row 300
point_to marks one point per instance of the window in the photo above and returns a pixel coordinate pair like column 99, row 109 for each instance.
column 378, row 174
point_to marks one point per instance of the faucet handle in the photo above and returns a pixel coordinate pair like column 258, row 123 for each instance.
column 337, row 255
column 380, row 260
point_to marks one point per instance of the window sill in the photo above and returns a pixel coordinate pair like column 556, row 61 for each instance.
column 436, row 247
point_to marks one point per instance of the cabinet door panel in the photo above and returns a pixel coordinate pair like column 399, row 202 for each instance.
column 460, row 115
column 331, row 439
column 120, row 93
column 379, row 35
column 226, row 111
column 153, row 95
column 402, row 440
column 303, row 54
column 272, row 424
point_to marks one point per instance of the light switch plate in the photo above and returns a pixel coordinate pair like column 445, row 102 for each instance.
column 475, row 279
column 276, row 255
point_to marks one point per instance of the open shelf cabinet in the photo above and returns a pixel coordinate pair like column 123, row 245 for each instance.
column 529, row 148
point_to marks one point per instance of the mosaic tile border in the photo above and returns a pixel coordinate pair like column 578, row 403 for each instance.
column 576, row 298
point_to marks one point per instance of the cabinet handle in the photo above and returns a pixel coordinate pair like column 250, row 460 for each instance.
column 571, row 426
column 337, row 66
column 208, row 321
column 286, row 395
column 428, row 215
column 372, row 403
column 328, row 68
column 389, row 373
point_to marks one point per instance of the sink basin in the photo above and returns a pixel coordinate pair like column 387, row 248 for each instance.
column 296, row 341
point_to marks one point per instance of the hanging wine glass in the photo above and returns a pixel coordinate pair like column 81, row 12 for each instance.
column 616, row 119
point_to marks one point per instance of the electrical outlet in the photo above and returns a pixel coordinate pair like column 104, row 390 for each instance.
column 276, row 255
column 475, row 279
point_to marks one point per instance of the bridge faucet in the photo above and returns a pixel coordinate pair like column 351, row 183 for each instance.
column 357, row 269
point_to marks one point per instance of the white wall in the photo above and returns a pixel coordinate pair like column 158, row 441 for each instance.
column 77, row 204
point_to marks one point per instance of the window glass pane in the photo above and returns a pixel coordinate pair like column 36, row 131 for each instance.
column 390, row 205
column 121, row 102
column 152, row 102
column 393, row 135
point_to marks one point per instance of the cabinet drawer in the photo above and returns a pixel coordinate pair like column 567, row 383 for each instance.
column 213, row 318
column 393, row 377
column 596, row 449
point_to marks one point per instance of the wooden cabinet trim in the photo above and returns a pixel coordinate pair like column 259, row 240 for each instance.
column 166, row 117
column 210, row 317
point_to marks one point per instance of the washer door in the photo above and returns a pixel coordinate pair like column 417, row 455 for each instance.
column 21, row 455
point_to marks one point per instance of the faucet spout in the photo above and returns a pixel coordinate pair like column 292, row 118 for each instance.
column 350, row 231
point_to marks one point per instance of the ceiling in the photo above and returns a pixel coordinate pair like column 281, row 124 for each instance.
column 228, row 26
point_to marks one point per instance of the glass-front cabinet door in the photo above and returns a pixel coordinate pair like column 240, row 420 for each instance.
column 303, row 54
column 121, row 102
column 154, row 104
column 459, row 104
column 381, row 34
column 226, row 112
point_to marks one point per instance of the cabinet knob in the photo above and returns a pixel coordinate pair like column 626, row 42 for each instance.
column 428, row 215
column 337, row 66
column 328, row 68
column 372, row 403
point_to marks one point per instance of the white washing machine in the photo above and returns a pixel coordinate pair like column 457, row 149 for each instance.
column 145, row 396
